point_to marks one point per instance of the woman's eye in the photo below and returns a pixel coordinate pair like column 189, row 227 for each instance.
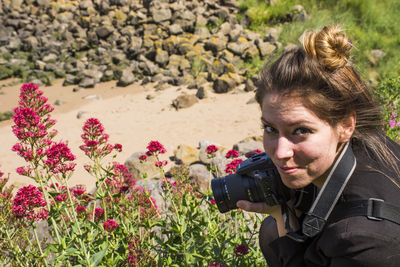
column 302, row 131
column 269, row 129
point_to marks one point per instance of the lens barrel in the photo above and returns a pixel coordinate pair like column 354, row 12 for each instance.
column 229, row 189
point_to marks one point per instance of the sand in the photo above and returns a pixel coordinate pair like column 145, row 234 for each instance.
column 132, row 120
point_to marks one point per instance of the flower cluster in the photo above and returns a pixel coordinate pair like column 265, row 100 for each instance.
column 31, row 116
column 392, row 121
column 155, row 148
column 59, row 158
column 232, row 154
column 96, row 140
column 120, row 179
column 211, row 149
column 241, row 250
column 110, row 225
column 231, row 167
column 29, row 203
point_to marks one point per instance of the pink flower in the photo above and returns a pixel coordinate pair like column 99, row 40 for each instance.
column 142, row 157
column 258, row 151
column 110, row 225
column 98, row 213
column 232, row 154
column 211, row 149
column 212, row 201
column 80, row 209
column 28, row 203
column 392, row 123
column 118, row 147
column 159, row 164
column 231, row 167
column 78, row 190
column 241, row 250
column 61, row 197
column 58, row 155
column 155, row 147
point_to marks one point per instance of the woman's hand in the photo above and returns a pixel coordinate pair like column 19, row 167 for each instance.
column 259, row 207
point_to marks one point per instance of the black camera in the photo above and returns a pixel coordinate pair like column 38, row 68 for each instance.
column 256, row 180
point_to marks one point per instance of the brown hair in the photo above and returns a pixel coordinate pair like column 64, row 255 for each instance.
column 321, row 73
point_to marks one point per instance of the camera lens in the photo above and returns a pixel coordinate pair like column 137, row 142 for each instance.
column 232, row 188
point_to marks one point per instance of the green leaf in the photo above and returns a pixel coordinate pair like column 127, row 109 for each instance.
column 96, row 258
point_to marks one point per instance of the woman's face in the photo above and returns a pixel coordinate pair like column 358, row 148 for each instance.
column 302, row 146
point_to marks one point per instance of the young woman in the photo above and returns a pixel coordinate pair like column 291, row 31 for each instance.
column 314, row 107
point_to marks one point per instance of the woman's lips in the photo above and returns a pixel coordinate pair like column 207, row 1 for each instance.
column 287, row 170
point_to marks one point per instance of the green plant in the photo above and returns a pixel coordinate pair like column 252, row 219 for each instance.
column 6, row 115
column 119, row 223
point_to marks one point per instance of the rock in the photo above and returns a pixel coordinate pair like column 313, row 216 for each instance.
column 200, row 176
column 80, row 114
column 186, row 154
column 138, row 168
column 160, row 14
column 87, row 82
column 248, row 145
column 126, row 78
column 104, row 31
column 225, row 83
column 184, row 101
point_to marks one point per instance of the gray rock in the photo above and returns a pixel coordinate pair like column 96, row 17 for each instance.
column 265, row 48
column 200, row 176
column 104, row 31
column 161, row 14
column 162, row 57
column 249, row 145
column 175, row 29
column 87, row 82
column 126, row 78
column 184, row 101
column 138, row 169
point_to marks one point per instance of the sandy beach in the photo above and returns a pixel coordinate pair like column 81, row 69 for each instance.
column 132, row 120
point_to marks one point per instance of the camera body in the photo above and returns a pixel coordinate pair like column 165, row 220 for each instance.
column 256, row 180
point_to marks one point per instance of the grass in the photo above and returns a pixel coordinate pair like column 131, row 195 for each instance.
column 370, row 24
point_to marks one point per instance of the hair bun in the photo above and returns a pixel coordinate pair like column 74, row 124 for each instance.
column 329, row 47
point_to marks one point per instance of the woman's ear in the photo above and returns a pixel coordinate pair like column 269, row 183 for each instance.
column 346, row 127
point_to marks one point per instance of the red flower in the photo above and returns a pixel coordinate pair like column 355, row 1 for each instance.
column 80, row 209
column 231, row 167
column 98, row 213
column 58, row 155
column 159, row 164
column 155, row 147
column 211, row 149
column 110, row 225
column 142, row 157
column 241, row 250
column 212, row 201
column 28, row 203
column 232, row 154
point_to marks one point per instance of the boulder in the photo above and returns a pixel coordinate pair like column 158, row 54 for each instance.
column 186, row 154
column 140, row 169
column 184, row 101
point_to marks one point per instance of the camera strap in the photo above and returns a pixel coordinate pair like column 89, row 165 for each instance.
column 316, row 218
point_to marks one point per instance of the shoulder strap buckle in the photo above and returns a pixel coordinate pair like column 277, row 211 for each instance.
column 372, row 210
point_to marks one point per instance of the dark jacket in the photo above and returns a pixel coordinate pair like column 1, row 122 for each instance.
column 353, row 241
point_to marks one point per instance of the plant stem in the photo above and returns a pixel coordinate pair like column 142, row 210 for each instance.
column 39, row 246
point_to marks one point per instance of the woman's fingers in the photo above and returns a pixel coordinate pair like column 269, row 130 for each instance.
column 259, row 207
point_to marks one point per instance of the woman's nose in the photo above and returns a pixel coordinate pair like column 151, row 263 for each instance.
column 284, row 148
